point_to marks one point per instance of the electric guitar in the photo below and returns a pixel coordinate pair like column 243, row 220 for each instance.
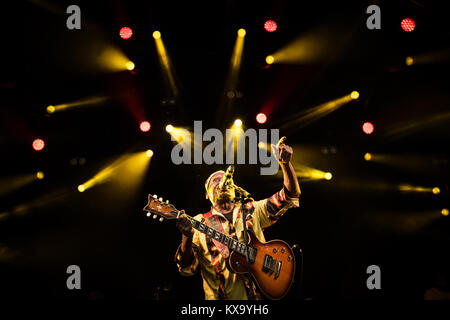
column 272, row 264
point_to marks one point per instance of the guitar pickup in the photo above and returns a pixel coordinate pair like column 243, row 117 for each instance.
column 277, row 272
column 266, row 263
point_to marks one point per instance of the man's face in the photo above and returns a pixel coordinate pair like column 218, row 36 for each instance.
column 215, row 194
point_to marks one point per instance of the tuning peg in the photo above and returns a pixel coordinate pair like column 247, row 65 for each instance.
column 167, row 201
column 148, row 214
column 155, row 216
column 155, row 196
column 161, row 219
column 160, row 199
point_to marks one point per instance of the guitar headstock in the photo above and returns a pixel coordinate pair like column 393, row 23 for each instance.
column 158, row 207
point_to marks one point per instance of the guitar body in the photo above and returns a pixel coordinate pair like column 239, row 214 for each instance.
column 273, row 268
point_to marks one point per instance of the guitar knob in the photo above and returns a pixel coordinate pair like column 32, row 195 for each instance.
column 160, row 199
column 155, row 216
column 161, row 219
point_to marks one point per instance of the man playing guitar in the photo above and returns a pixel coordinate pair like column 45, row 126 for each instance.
column 198, row 250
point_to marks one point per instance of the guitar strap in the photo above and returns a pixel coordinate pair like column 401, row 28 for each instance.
column 213, row 221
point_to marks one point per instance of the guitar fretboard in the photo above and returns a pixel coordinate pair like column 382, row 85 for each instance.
column 231, row 243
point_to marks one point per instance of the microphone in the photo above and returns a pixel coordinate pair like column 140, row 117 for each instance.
column 227, row 180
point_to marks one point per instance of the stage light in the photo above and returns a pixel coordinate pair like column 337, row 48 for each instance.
column 367, row 156
column 241, row 33
column 261, row 118
column 408, row 24
column 129, row 65
column 409, row 61
column 444, row 212
column 38, row 144
column 156, row 35
column 125, row 33
column 368, row 128
column 169, row 128
column 149, row 153
column 436, row 190
column 40, row 175
column 270, row 59
column 328, row 176
column 81, row 188
column 270, row 26
column 145, row 126
column 238, row 123
column 354, row 95
column 51, row 109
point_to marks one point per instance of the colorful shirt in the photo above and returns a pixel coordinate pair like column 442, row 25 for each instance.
column 210, row 255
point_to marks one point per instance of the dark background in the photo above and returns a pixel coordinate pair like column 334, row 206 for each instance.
column 343, row 225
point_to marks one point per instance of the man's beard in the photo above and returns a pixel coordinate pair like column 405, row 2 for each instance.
column 224, row 198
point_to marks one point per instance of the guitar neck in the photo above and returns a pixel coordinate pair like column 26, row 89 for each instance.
column 231, row 243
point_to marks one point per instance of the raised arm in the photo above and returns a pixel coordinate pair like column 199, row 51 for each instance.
column 290, row 180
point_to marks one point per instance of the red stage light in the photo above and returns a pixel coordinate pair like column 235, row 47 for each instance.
column 270, row 26
column 261, row 118
column 145, row 126
column 38, row 144
column 408, row 24
column 368, row 127
column 126, row 33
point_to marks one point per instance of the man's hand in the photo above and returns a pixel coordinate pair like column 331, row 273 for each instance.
column 185, row 226
column 284, row 151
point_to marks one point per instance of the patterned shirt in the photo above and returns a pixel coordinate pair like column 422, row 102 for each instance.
column 210, row 255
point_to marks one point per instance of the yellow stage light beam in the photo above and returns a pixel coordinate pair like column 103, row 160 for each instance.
column 411, row 188
column 180, row 135
column 130, row 174
column 114, row 169
column 404, row 128
column 14, row 183
column 41, row 201
column 307, row 173
column 319, row 44
column 303, row 118
column 234, row 69
column 440, row 56
column 412, row 162
column 113, row 59
column 165, row 63
column 97, row 100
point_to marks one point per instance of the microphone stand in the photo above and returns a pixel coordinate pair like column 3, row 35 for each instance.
column 244, row 197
